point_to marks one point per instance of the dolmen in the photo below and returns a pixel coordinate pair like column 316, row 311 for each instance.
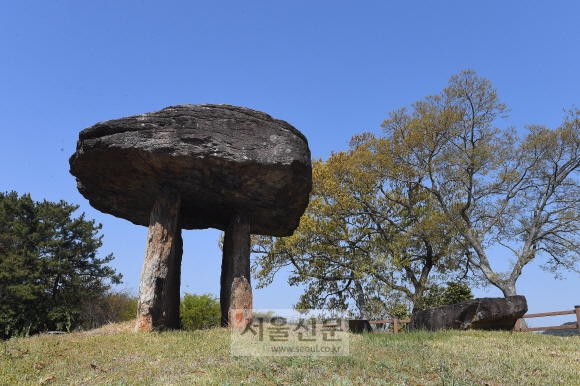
column 477, row 314
column 195, row 167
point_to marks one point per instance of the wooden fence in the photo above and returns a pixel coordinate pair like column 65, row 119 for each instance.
column 395, row 322
column 575, row 311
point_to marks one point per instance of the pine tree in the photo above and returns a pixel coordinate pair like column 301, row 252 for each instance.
column 48, row 265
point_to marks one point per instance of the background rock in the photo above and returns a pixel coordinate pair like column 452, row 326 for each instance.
column 478, row 314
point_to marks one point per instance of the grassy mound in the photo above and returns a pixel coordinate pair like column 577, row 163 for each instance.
column 115, row 355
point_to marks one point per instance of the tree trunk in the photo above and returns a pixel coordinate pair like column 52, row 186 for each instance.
column 236, row 290
column 508, row 288
column 159, row 287
column 360, row 299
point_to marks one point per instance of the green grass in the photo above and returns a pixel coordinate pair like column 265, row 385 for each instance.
column 117, row 356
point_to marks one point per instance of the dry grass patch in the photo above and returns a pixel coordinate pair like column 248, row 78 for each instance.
column 114, row 355
column 111, row 329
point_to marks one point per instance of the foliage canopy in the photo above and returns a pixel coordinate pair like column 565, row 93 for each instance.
column 362, row 238
column 422, row 205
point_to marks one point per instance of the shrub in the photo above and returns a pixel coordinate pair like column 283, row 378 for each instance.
column 199, row 312
column 112, row 307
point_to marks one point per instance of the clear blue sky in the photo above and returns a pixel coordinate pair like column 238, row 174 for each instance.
column 332, row 69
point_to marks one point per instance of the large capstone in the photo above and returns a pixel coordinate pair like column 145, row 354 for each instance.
column 477, row 314
column 221, row 159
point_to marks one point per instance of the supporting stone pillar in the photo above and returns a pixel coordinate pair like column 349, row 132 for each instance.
column 236, row 290
column 161, row 275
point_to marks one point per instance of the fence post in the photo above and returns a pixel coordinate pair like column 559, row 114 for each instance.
column 577, row 308
column 517, row 326
column 396, row 325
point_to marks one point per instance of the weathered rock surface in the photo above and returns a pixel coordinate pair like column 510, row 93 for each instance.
column 358, row 326
column 477, row 314
column 236, row 288
column 219, row 158
column 159, row 287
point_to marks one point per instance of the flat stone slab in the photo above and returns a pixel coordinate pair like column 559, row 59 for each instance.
column 220, row 158
column 477, row 314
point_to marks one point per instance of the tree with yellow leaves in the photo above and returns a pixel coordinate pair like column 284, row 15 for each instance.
column 494, row 188
column 364, row 237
